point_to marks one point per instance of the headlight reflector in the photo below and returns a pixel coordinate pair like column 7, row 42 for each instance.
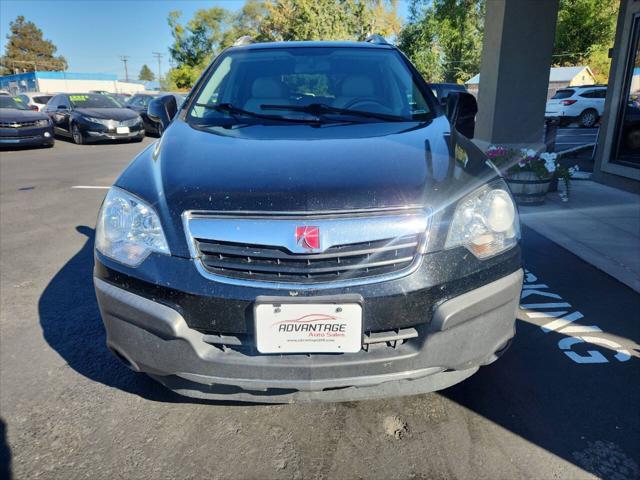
column 485, row 222
column 128, row 229
column 42, row 123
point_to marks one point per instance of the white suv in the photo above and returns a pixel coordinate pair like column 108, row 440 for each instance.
column 584, row 104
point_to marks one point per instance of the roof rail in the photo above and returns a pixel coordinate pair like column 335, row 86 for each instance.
column 590, row 86
column 244, row 40
column 377, row 39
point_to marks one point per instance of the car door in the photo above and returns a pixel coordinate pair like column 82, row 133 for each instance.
column 60, row 111
column 588, row 100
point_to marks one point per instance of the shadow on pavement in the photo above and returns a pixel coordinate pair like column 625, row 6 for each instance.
column 72, row 326
column 585, row 413
column 5, row 452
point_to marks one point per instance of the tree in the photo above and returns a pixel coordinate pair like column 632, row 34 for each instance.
column 584, row 34
column 27, row 50
column 194, row 44
column 146, row 74
column 246, row 22
column 444, row 38
column 329, row 19
column 583, row 25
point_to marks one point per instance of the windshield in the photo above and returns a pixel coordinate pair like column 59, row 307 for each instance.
column 93, row 100
column 337, row 78
column 12, row 102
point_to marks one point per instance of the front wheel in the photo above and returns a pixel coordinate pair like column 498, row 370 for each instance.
column 588, row 118
column 78, row 138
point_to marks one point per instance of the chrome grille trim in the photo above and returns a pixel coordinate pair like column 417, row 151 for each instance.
column 17, row 124
column 270, row 242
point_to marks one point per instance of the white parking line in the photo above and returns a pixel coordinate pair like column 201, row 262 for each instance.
column 91, row 187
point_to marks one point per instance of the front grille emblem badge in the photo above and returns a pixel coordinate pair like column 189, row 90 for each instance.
column 308, row 237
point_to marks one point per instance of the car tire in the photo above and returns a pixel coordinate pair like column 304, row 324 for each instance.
column 588, row 118
column 76, row 134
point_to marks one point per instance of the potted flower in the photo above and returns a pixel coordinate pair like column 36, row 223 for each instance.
column 530, row 173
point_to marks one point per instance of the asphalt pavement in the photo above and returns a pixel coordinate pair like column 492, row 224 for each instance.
column 561, row 403
column 573, row 136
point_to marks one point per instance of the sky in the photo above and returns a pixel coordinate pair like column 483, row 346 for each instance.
column 93, row 35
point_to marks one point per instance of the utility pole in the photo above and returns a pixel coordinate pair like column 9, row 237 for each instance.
column 159, row 56
column 125, row 59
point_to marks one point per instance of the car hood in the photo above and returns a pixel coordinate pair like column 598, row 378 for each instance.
column 299, row 168
column 108, row 113
column 15, row 115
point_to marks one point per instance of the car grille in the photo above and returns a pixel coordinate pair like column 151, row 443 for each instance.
column 17, row 124
column 276, row 264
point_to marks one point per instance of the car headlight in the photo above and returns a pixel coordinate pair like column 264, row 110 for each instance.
column 128, row 229
column 101, row 121
column 42, row 123
column 485, row 221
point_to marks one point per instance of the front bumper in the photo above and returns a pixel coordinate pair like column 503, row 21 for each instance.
column 95, row 136
column 465, row 332
column 26, row 136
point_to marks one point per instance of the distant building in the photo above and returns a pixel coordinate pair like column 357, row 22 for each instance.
column 559, row 77
column 66, row 82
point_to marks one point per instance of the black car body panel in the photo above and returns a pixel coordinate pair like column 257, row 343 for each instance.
column 17, row 128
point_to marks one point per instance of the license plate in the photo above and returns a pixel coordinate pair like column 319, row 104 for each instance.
column 308, row 327
column 120, row 130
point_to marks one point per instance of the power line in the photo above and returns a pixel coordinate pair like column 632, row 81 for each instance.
column 159, row 56
column 125, row 59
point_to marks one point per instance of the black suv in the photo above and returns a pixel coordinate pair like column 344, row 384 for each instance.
column 312, row 225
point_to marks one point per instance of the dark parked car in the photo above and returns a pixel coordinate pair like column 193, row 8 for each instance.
column 140, row 102
column 311, row 226
column 89, row 117
column 19, row 125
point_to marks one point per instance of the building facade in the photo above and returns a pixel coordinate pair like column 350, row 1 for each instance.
column 66, row 82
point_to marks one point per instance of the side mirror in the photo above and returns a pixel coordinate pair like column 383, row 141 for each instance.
column 461, row 111
column 162, row 110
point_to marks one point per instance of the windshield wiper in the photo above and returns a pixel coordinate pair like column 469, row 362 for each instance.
column 322, row 108
column 234, row 111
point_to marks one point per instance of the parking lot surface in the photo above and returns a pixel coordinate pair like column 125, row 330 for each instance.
column 561, row 403
column 572, row 137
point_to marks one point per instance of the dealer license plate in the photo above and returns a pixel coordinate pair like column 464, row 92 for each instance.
column 308, row 327
column 120, row 130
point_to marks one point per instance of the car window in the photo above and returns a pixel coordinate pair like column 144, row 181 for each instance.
column 588, row 94
column 42, row 98
column 564, row 93
column 93, row 100
column 602, row 93
column 63, row 100
column 14, row 103
column 23, row 98
column 378, row 81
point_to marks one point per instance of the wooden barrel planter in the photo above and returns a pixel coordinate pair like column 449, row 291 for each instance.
column 527, row 188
